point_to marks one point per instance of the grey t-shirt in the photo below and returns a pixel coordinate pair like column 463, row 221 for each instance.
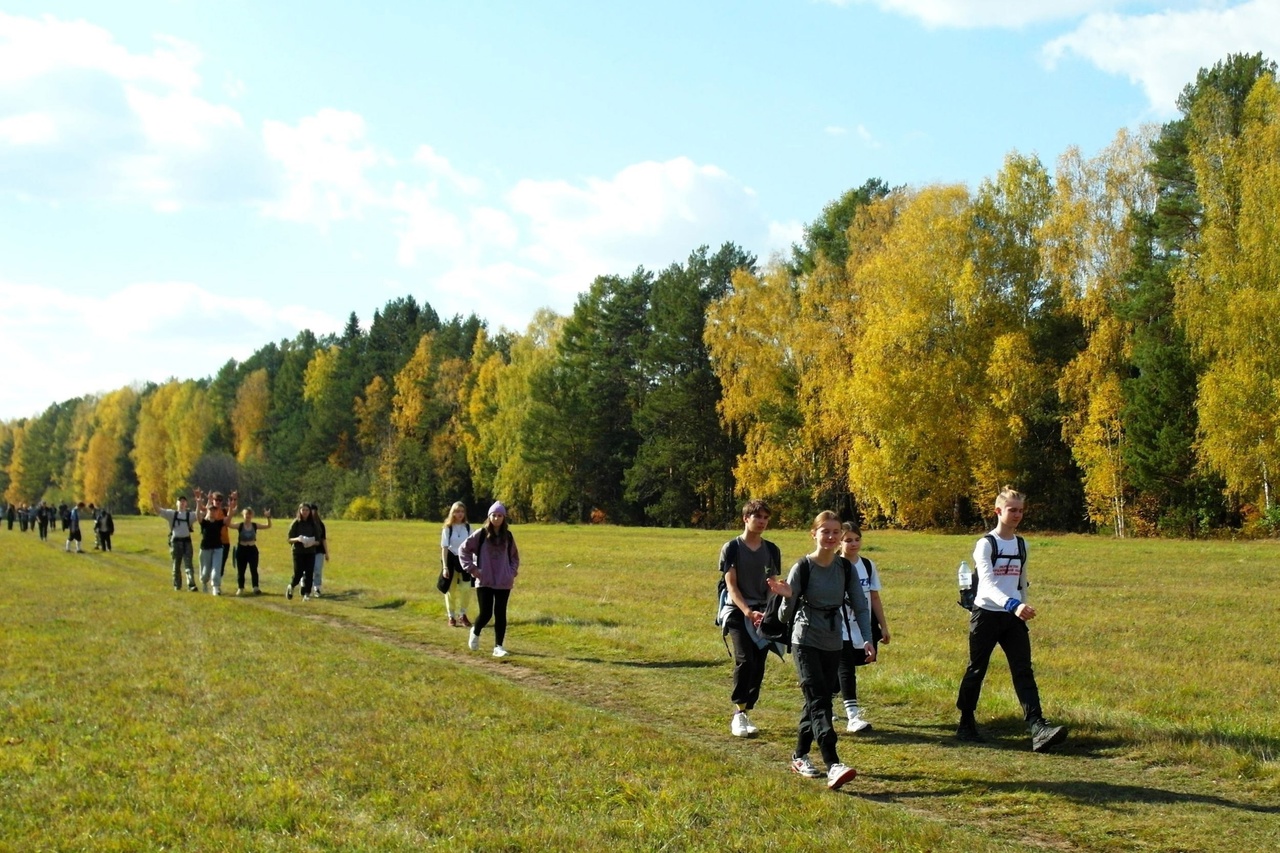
column 818, row 617
column 753, row 567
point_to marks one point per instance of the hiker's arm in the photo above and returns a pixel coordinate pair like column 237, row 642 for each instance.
column 877, row 612
column 735, row 595
column 155, row 503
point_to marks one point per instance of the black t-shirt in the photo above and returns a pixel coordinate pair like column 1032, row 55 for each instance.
column 210, row 533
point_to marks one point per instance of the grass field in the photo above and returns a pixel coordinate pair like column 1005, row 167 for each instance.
column 133, row 717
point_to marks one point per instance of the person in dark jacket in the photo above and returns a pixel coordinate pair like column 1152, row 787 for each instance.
column 304, row 536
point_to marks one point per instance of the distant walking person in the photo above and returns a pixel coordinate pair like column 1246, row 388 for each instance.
column 213, row 516
column 491, row 558
column 1000, row 618
column 304, row 536
column 105, row 526
column 43, row 516
column 452, row 535
column 746, row 563
column 10, row 515
column 73, row 530
column 322, row 551
column 247, row 548
column 181, row 523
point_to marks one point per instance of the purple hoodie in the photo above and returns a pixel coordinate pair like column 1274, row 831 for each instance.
column 492, row 565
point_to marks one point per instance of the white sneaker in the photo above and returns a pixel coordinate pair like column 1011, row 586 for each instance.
column 857, row 723
column 805, row 768
column 288, row 592
column 500, row 652
column 838, row 775
column 315, row 593
column 740, row 726
column 752, row 731
column 217, row 590
column 473, row 641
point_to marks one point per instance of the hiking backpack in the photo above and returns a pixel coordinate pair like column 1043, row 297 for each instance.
column 730, row 558
column 774, row 629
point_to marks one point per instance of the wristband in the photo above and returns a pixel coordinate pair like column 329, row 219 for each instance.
column 1012, row 605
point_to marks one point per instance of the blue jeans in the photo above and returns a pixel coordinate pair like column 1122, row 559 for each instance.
column 211, row 566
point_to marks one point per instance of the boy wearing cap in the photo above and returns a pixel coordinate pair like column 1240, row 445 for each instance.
column 491, row 558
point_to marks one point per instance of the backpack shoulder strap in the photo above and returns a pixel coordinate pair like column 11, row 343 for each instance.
column 775, row 556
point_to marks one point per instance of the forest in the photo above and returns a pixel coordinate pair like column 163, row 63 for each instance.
column 1101, row 334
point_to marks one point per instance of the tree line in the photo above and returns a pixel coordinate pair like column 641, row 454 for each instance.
column 1104, row 336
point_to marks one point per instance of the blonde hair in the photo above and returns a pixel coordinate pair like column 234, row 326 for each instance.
column 822, row 518
column 448, row 519
column 1009, row 493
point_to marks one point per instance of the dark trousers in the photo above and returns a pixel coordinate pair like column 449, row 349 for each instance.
column 987, row 629
column 246, row 558
column 44, row 529
column 819, row 672
column 493, row 605
column 105, row 540
column 181, row 549
column 748, row 661
column 304, row 566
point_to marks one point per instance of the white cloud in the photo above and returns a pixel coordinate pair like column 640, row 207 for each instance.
column 833, row 130
column 326, row 162
column 28, row 129
column 143, row 332
column 867, row 137
column 972, row 14
column 649, row 213
column 1162, row 52
column 86, row 117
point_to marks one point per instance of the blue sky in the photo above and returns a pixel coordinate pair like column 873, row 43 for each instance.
column 182, row 182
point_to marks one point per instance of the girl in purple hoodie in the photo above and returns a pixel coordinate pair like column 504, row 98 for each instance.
column 490, row 556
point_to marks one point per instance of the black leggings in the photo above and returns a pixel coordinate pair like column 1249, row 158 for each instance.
column 246, row 558
column 493, row 604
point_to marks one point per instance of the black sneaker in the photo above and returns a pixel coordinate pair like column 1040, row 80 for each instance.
column 1044, row 736
column 968, row 733
column 192, row 587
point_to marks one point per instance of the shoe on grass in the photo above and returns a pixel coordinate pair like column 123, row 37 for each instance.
column 500, row 652
column 838, row 775
column 1044, row 736
column 473, row 641
column 968, row 733
column 802, row 765
column 740, row 725
column 857, row 724
column 288, row 592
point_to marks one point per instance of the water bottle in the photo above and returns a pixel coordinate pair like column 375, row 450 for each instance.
column 965, row 578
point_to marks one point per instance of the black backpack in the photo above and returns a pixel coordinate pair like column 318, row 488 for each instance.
column 772, row 627
column 969, row 597
column 730, row 558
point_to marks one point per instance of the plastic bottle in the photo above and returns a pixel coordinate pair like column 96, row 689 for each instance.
column 965, row 576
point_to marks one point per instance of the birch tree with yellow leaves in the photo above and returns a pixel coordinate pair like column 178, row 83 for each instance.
column 1228, row 288
column 1088, row 250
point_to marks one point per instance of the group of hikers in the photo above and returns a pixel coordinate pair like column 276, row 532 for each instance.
column 213, row 518
column 43, row 516
column 829, row 613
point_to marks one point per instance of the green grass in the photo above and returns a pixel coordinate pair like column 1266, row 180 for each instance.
column 133, row 717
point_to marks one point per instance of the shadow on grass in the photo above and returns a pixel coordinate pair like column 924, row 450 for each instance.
column 652, row 664
column 552, row 621
column 393, row 604
column 1082, row 791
